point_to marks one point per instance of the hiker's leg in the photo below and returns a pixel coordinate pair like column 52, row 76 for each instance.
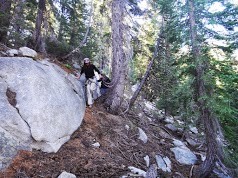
column 103, row 91
column 89, row 94
column 98, row 90
column 94, row 88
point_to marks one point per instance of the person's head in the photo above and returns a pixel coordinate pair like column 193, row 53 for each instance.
column 86, row 61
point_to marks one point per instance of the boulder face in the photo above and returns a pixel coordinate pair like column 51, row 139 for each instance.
column 25, row 51
column 40, row 104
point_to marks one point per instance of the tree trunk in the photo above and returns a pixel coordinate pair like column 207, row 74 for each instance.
column 5, row 7
column 51, row 31
column 38, row 39
column 166, row 66
column 103, row 62
column 119, row 62
column 60, row 32
column 17, row 22
column 212, row 129
column 18, row 16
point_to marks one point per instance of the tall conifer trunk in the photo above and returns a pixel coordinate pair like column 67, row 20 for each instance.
column 38, row 38
column 211, row 125
column 119, row 62
column 5, row 7
column 18, row 16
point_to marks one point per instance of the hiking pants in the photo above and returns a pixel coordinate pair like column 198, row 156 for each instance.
column 93, row 90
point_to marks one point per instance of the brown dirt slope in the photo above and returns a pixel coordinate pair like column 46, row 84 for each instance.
column 119, row 148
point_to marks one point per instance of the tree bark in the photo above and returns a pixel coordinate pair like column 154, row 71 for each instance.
column 18, row 16
column 214, row 149
column 119, row 62
column 17, row 22
column 5, row 7
column 38, row 39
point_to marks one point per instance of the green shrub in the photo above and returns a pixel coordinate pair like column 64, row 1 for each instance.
column 57, row 48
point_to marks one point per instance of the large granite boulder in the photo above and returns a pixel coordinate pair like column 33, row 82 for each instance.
column 40, row 105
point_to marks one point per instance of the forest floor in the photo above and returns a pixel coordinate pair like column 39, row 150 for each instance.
column 119, row 148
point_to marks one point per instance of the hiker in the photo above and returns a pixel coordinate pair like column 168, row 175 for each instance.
column 104, row 84
column 92, row 87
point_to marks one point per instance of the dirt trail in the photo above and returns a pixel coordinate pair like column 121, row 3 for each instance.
column 119, row 148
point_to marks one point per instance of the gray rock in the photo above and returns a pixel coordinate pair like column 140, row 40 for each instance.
column 97, row 144
column 168, row 163
column 178, row 143
column 150, row 106
column 27, row 52
column 163, row 163
column 142, row 135
column 134, row 87
column 147, row 160
column 76, row 66
column 178, row 175
column 137, row 171
column 193, row 129
column 9, row 147
column 12, row 52
column 152, row 172
column 127, row 127
column 177, row 117
column 66, row 175
column 169, row 120
column 182, row 153
column 3, row 54
column 171, row 127
column 184, row 156
column 40, row 106
column 192, row 142
column 164, row 134
column 180, row 123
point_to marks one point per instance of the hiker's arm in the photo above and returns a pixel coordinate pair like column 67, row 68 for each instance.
column 82, row 71
column 100, row 80
column 96, row 69
column 78, row 75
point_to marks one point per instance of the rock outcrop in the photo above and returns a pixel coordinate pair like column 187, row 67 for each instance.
column 40, row 106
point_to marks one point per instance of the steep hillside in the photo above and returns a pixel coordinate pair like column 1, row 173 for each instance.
column 106, row 146
column 119, row 148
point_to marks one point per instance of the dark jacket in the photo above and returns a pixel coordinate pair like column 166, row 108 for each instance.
column 88, row 70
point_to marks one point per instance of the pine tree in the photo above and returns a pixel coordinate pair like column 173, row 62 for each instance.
column 213, row 133
column 5, row 17
column 119, row 62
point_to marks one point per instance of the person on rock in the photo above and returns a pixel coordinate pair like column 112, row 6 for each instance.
column 92, row 87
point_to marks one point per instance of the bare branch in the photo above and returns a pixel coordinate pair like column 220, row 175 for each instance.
column 85, row 36
column 135, row 95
